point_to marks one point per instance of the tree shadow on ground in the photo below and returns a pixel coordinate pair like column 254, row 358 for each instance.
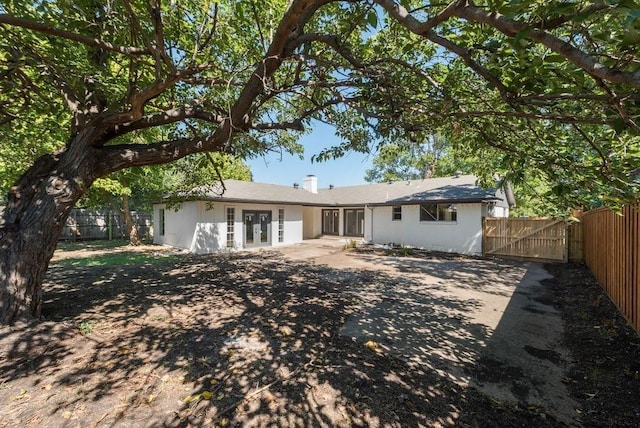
column 240, row 339
column 495, row 276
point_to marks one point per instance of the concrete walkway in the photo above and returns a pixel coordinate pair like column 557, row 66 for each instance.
column 486, row 324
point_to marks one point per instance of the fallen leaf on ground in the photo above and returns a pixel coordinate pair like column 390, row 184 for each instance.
column 373, row 346
column 192, row 398
column 204, row 395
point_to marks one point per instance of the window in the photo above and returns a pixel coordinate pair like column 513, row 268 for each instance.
column 441, row 212
column 161, row 222
column 428, row 212
column 281, row 225
column 396, row 213
column 231, row 220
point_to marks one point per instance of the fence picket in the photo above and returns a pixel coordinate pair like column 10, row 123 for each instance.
column 103, row 224
column 612, row 252
column 525, row 238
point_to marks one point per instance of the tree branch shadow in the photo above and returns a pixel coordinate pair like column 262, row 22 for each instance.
column 237, row 339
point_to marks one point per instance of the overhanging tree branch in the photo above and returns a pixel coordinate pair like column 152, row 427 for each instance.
column 576, row 56
column 89, row 41
column 550, row 24
column 426, row 30
column 295, row 125
column 471, row 63
column 167, row 117
column 603, row 158
column 537, row 116
column 115, row 158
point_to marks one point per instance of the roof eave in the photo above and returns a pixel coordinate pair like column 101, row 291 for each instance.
column 435, row 201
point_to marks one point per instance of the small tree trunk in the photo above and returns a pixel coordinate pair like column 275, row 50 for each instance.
column 129, row 224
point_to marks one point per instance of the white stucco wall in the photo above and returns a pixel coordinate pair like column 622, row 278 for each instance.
column 210, row 233
column 312, row 222
column 179, row 224
column 368, row 224
column 201, row 228
column 462, row 236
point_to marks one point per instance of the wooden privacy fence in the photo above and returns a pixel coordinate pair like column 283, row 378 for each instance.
column 532, row 238
column 103, row 224
column 612, row 252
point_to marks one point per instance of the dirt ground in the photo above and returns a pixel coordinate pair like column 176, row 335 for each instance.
column 314, row 335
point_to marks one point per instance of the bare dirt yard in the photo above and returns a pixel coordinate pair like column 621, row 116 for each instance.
column 315, row 335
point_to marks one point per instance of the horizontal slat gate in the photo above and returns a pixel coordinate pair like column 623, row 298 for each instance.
column 525, row 238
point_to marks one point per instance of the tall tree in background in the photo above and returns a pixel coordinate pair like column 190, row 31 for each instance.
column 411, row 161
column 552, row 86
column 438, row 157
column 126, row 191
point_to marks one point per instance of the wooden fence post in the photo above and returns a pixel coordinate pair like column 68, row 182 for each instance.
column 565, row 253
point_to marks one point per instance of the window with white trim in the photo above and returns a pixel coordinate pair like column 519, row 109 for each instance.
column 438, row 212
column 396, row 213
column 281, row 225
column 231, row 222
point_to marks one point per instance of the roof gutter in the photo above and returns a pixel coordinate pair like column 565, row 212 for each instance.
column 435, row 201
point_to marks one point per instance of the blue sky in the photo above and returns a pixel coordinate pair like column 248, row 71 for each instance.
column 346, row 171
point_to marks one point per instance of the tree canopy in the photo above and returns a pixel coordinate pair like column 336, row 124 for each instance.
column 411, row 160
column 92, row 88
column 552, row 84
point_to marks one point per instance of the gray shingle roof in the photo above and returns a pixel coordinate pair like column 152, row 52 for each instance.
column 238, row 191
column 441, row 189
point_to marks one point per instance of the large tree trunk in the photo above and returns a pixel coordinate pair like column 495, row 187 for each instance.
column 39, row 204
column 36, row 212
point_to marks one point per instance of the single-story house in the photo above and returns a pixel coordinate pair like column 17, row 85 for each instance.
column 442, row 214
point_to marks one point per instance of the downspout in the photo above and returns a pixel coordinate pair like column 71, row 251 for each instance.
column 371, row 210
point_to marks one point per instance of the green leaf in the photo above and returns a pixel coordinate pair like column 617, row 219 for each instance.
column 555, row 58
column 519, row 40
column 372, row 19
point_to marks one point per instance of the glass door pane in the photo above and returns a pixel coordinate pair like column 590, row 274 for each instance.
column 360, row 222
column 264, row 227
column 354, row 222
column 331, row 222
column 248, row 227
column 350, row 222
